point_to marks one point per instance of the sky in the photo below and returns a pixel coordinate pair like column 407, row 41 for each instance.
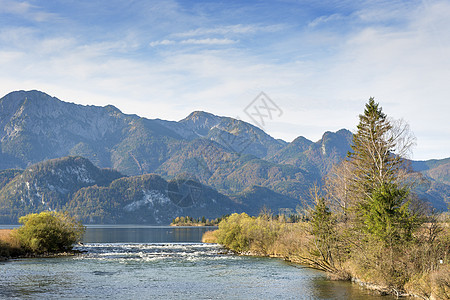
column 317, row 62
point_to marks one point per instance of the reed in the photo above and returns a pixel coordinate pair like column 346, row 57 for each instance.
column 7, row 237
column 210, row 237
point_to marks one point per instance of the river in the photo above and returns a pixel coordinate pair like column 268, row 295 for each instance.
column 148, row 262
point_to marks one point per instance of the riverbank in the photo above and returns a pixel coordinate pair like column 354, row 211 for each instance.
column 10, row 248
column 373, row 287
column 46, row 234
column 419, row 273
column 9, row 245
column 210, row 237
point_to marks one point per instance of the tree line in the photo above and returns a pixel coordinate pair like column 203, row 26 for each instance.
column 190, row 221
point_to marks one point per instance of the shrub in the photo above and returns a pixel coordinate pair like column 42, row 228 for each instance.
column 230, row 233
column 49, row 232
column 4, row 249
column 242, row 233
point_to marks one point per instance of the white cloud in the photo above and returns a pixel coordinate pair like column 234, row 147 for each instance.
column 7, row 56
column 406, row 67
column 14, row 7
column 325, row 19
column 209, row 41
column 187, row 38
column 162, row 43
column 25, row 10
column 230, row 29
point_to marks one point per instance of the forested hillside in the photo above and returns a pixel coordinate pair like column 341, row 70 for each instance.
column 231, row 156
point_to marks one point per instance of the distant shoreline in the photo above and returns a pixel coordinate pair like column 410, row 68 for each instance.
column 192, row 225
column 13, row 226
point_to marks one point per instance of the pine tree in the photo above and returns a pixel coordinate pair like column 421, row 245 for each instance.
column 377, row 173
column 372, row 158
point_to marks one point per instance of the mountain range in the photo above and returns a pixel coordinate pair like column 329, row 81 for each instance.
column 237, row 162
column 97, row 195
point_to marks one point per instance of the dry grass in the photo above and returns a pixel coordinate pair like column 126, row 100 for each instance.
column 210, row 237
column 291, row 240
column 440, row 283
column 7, row 237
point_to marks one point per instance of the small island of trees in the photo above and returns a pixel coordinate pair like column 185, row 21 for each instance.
column 190, row 221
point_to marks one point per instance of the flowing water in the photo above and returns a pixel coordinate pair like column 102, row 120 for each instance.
column 164, row 263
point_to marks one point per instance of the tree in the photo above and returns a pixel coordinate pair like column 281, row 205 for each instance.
column 337, row 185
column 230, row 232
column 387, row 215
column 49, row 232
column 379, row 147
column 377, row 180
column 322, row 228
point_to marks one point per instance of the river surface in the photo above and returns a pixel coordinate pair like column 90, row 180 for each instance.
column 147, row 262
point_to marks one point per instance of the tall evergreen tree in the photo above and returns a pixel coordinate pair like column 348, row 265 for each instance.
column 373, row 159
column 376, row 177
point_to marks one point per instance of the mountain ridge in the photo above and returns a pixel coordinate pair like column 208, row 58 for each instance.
column 105, row 196
column 227, row 154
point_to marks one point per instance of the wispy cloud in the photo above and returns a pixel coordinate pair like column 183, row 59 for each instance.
column 325, row 19
column 319, row 76
column 219, row 35
column 207, row 41
column 162, row 43
column 26, row 10
column 230, row 29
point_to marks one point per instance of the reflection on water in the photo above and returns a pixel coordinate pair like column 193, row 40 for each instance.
column 119, row 269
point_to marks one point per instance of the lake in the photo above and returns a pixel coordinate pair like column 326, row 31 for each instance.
column 149, row 262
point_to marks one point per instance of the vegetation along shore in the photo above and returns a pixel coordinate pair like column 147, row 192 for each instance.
column 365, row 224
column 46, row 234
column 190, row 221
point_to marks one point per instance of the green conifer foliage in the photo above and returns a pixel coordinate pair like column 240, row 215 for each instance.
column 382, row 202
column 373, row 146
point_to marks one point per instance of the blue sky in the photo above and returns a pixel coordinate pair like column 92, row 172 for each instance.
column 319, row 61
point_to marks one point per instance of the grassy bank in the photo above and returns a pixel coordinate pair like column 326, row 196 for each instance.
column 9, row 244
column 413, row 269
